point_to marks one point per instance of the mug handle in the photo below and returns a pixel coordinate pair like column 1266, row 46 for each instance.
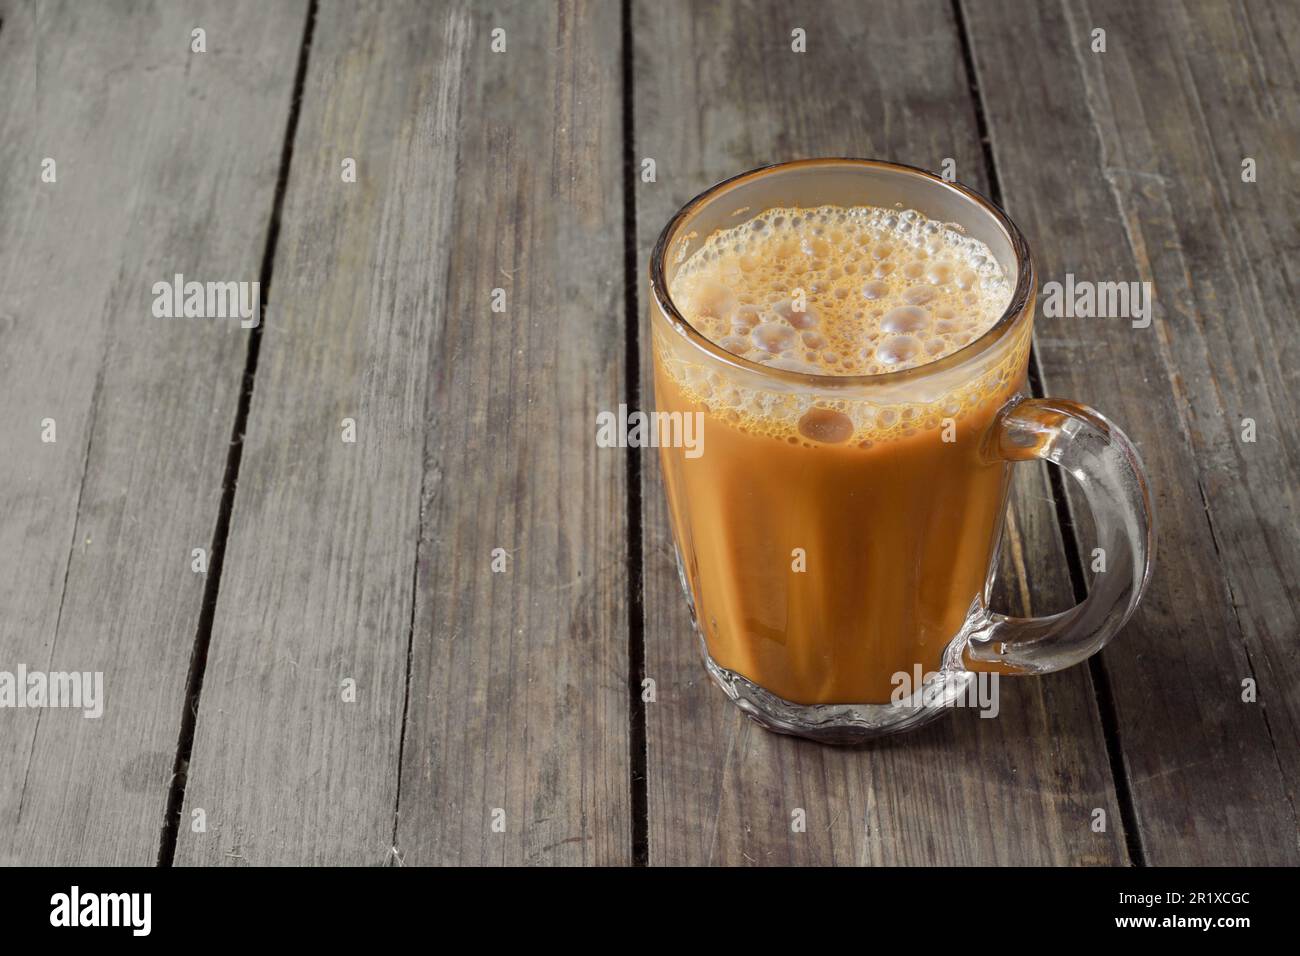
column 1108, row 469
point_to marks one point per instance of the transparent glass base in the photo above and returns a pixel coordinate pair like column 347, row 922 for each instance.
column 845, row 723
column 839, row 723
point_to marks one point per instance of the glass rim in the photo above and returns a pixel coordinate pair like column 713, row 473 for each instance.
column 1019, row 298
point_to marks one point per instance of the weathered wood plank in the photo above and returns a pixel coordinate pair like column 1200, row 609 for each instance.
column 166, row 162
column 317, row 585
column 476, row 171
column 1126, row 166
column 519, row 696
column 718, row 90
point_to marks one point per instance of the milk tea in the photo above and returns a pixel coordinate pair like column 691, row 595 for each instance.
column 832, row 543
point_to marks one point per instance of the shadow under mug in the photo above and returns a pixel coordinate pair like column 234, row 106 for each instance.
column 840, row 589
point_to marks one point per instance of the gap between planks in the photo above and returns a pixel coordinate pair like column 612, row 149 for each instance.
column 638, row 765
column 221, row 531
column 1096, row 667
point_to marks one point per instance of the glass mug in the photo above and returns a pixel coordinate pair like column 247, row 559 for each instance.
column 822, row 577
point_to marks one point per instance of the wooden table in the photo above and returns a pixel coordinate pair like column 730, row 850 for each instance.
column 349, row 681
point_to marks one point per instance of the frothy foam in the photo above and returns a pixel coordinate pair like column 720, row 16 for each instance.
column 838, row 290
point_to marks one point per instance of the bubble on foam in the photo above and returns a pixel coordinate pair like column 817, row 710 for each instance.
column 940, row 273
column 826, row 425
column 715, row 299
column 803, row 318
column 875, row 289
column 898, row 350
column 773, row 336
column 919, row 294
column 905, row 319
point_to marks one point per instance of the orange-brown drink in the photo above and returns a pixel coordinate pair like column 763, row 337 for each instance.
column 855, row 336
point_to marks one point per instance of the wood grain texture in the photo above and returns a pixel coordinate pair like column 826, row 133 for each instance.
column 317, row 587
column 718, row 90
column 1126, row 166
column 163, row 166
column 519, row 697
column 476, row 171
